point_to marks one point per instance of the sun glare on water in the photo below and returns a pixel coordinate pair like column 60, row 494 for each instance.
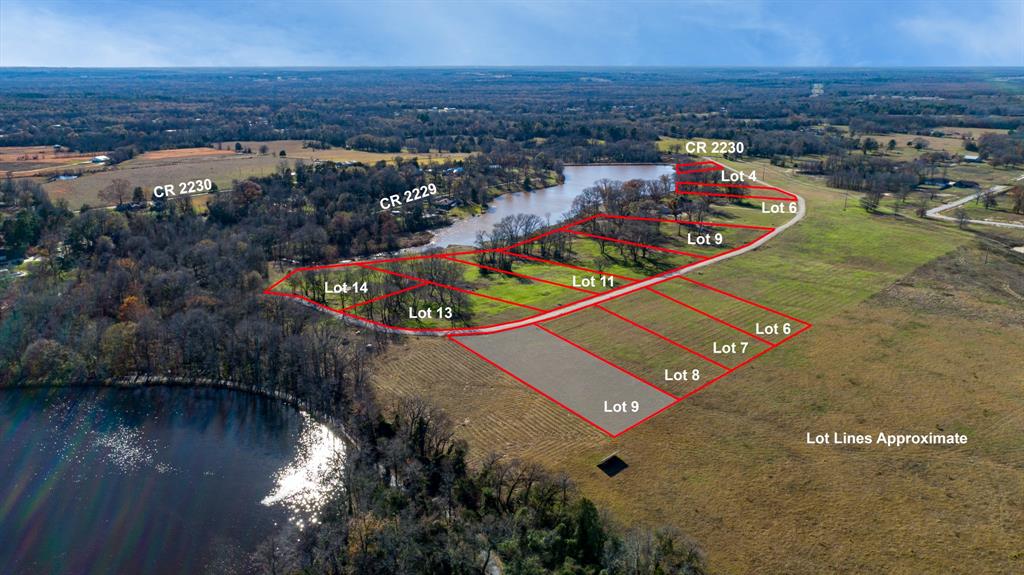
column 303, row 485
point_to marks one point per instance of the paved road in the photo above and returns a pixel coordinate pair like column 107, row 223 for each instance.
column 612, row 294
column 936, row 213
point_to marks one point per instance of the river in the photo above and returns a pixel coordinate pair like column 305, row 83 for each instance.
column 152, row 480
column 547, row 203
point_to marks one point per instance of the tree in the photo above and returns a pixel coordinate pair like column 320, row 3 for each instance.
column 989, row 201
column 1017, row 194
column 238, row 147
column 138, row 195
column 961, row 218
column 868, row 145
column 264, row 149
column 870, row 201
column 589, row 535
column 282, row 154
column 48, row 362
column 117, row 348
column 117, row 192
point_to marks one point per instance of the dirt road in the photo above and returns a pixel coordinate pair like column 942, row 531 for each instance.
column 936, row 213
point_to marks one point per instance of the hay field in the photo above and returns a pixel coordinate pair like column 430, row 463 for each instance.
column 25, row 161
column 148, row 172
column 957, row 132
column 915, row 331
column 295, row 149
column 181, row 153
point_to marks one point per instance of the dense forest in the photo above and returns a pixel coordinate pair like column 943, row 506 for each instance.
column 572, row 115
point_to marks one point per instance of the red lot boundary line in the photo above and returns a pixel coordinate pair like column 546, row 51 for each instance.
column 789, row 197
column 313, row 302
column 728, row 370
column 511, row 273
column 594, row 355
column 472, row 331
column 698, row 171
column 461, row 331
column 648, row 417
column 680, row 222
column 706, row 314
column 279, row 282
column 702, row 258
column 755, row 304
column 696, row 167
column 662, row 337
column 453, row 288
column 527, row 384
column 363, row 263
column 469, row 330
column 629, row 243
column 549, row 232
column 456, row 331
column 747, row 361
column 542, row 260
column 380, row 297
column 700, row 163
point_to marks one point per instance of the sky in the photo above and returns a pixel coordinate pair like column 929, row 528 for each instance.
column 522, row 33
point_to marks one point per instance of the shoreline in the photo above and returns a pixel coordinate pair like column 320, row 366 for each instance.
column 434, row 232
column 142, row 381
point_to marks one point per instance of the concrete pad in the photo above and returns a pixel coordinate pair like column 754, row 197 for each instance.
column 605, row 396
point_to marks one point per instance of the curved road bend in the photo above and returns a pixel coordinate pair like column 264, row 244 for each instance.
column 606, row 296
column 936, row 213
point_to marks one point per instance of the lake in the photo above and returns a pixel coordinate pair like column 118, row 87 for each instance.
column 152, row 480
column 547, row 203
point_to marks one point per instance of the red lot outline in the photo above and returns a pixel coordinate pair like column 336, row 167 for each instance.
column 372, row 265
column 676, row 398
column 712, row 166
column 454, row 333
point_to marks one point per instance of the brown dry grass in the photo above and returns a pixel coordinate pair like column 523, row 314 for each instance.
column 147, row 173
column 939, row 350
column 294, row 149
column 42, row 154
column 957, row 132
column 25, row 161
column 183, row 153
column 729, row 466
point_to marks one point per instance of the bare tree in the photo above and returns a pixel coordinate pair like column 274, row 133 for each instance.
column 117, row 192
column 961, row 218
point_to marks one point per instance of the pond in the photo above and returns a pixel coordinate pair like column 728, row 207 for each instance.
column 546, row 203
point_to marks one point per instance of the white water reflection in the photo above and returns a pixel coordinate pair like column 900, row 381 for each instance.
column 127, row 448
column 303, row 485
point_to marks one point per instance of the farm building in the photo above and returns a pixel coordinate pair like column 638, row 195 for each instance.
column 941, row 183
column 100, row 159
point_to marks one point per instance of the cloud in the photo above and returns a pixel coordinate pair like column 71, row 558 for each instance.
column 408, row 33
column 992, row 35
